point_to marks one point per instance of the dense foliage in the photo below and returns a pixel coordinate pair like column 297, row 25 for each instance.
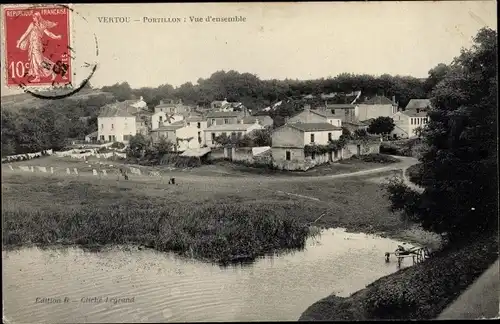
column 257, row 94
column 381, row 125
column 48, row 127
column 259, row 137
column 459, row 165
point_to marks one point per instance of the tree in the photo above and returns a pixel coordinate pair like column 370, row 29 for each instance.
column 459, row 164
column 436, row 75
column 381, row 125
column 138, row 145
column 261, row 137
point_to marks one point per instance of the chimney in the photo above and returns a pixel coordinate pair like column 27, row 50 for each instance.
column 394, row 99
column 241, row 121
column 418, row 110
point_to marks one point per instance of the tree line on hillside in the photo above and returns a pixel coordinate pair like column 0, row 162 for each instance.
column 48, row 127
column 257, row 94
column 458, row 168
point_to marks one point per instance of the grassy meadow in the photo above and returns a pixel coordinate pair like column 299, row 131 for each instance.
column 209, row 216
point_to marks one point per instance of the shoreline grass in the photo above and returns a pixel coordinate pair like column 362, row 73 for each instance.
column 43, row 209
column 217, row 232
column 420, row 292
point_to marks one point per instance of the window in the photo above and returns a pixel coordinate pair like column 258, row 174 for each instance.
column 411, row 121
column 333, row 111
column 288, row 156
column 102, row 126
column 171, row 110
column 198, row 125
column 126, row 137
column 161, row 118
column 224, row 133
column 213, row 120
column 199, row 134
column 102, row 137
column 112, row 126
column 312, row 138
column 189, row 124
column 329, row 136
column 226, row 121
column 313, row 156
column 213, row 137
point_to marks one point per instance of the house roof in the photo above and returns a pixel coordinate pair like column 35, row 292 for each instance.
column 419, row 103
column 414, row 113
column 228, row 127
column 323, row 112
column 355, row 123
column 312, row 127
column 170, row 127
column 264, row 120
column 221, row 114
column 340, row 106
column 196, row 152
column 378, row 100
column 118, row 109
column 194, row 118
column 94, row 134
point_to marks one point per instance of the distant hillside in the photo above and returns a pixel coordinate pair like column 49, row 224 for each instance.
column 26, row 100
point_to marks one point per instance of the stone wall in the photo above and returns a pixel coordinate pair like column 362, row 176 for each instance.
column 298, row 161
column 364, row 148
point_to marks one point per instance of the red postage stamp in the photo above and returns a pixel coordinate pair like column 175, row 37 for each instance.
column 37, row 45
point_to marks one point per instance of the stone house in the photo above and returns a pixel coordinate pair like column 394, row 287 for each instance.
column 289, row 145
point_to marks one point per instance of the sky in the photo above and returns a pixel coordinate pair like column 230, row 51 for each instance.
column 277, row 40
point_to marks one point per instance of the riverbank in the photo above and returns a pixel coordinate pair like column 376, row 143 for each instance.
column 214, row 219
column 417, row 293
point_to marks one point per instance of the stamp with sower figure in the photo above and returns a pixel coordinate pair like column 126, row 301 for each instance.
column 37, row 46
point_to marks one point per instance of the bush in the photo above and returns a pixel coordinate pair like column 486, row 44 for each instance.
column 414, row 174
column 377, row 158
column 118, row 145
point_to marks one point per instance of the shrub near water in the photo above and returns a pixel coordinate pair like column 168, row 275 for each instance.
column 217, row 232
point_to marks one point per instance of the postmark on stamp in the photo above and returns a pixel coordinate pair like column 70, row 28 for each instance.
column 37, row 46
column 39, row 50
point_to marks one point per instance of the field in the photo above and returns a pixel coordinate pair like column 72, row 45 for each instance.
column 212, row 212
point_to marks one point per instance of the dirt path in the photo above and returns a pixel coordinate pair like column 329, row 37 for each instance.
column 186, row 176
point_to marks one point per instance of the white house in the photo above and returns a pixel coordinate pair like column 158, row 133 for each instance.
column 116, row 122
column 407, row 121
column 378, row 106
column 238, row 129
column 315, row 116
column 161, row 118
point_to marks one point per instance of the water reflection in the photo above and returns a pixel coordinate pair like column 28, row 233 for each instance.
column 165, row 287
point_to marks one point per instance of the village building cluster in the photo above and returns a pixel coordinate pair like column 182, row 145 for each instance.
column 192, row 129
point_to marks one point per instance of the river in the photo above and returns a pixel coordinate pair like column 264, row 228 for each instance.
column 149, row 286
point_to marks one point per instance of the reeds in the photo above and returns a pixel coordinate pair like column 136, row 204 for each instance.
column 215, row 232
